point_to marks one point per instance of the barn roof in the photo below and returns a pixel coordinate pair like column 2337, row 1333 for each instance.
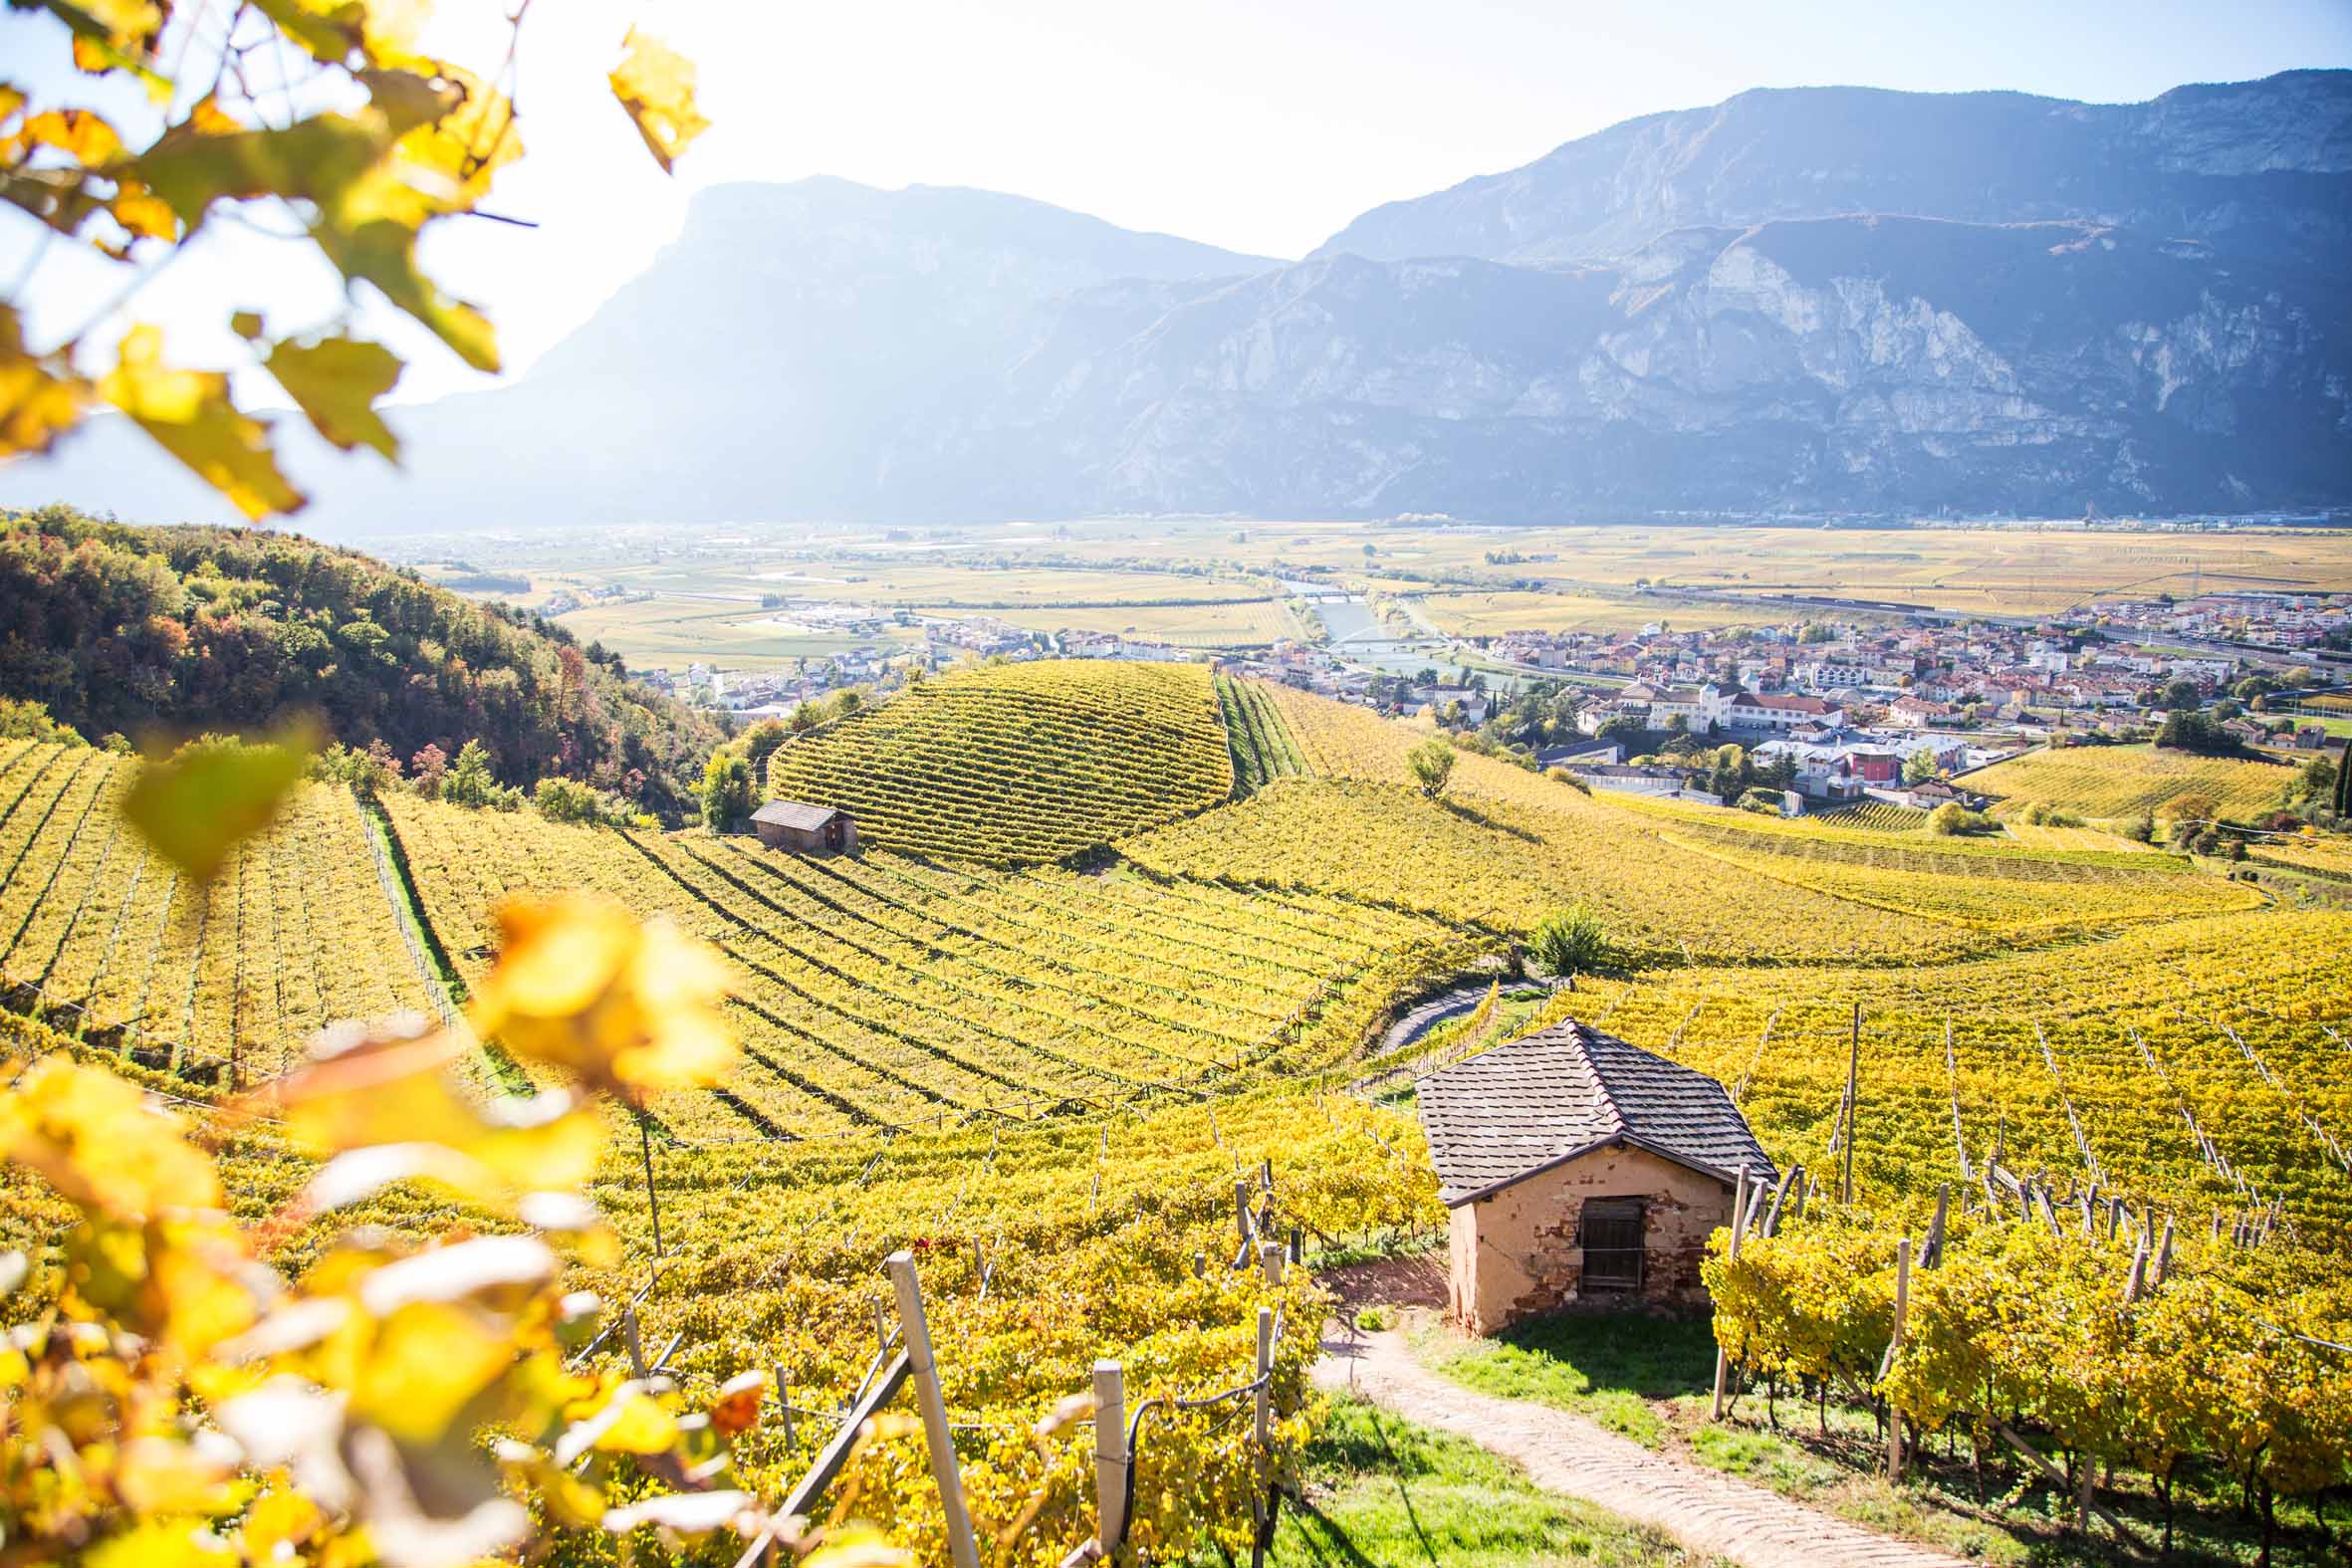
column 1541, row 1100
column 795, row 813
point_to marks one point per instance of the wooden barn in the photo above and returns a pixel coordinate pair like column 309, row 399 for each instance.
column 805, row 829
column 1580, row 1169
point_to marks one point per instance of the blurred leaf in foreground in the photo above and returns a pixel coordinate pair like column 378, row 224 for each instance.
column 627, row 1006
column 195, row 805
column 337, row 381
column 190, row 414
column 655, row 83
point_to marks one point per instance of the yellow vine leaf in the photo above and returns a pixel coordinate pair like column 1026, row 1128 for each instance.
column 189, row 413
column 85, row 137
column 95, row 1139
column 625, row 1005
column 329, row 30
column 383, row 1089
column 384, row 253
column 122, row 25
column 336, row 382
column 38, row 403
column 655, row 83
column 194, row 807
column 143, row 213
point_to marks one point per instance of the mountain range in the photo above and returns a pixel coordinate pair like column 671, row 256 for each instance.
column 1829, row 299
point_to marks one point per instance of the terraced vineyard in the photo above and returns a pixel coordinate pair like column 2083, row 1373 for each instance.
column 226, row 980
column 885, row 992
column 1020, row 764
column 1260, row 740
column 1676, row 882
column 2111, row 781
column 2231, row 1027
column 1873, row 816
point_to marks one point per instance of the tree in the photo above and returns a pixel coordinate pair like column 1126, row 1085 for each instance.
column 1432, row 763
column 761, row 739
column 470, row 783
column 427, row 768
column 2178, row 695
column 30, row 721
column 726, row 789
column 1919, row 767
column 1573, row 941
column 1623, row 727
column 1952, row 821
column 2184, row 730
column 358, row 146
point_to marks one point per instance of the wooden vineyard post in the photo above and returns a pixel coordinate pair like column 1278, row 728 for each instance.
column 1845, row 1183
column 1895, row 1348
column 1271, row 1256
column 1261, row 1499
column 652, row 1198
column 1723, row 1362
column 783, row 1404
column 2164, row 1252
column 1110, row 1458
column 937, row 1436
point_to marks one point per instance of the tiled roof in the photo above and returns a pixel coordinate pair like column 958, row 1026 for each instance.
column 794, row 814
column 1535, row 1102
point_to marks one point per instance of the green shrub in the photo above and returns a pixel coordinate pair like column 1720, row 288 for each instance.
column 1573, row 941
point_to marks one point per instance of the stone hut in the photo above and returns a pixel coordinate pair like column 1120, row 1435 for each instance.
column 1580, row 1169
column 805, row 829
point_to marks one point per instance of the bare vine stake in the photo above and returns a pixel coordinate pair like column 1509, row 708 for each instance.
column 784, row 1404
column 1261, row 1497
column 1722, row 1365
column 652, row 1198
column 937, row 1435
column 1110, row 1458
column 1902, row 1310
column 1845, row 1185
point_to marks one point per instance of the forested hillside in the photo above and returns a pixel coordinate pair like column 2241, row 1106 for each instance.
column 184, row 630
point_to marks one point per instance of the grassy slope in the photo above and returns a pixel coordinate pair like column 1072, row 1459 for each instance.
column 1380, row 1492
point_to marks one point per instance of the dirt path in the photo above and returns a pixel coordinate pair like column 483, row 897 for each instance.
column 1709, row 1513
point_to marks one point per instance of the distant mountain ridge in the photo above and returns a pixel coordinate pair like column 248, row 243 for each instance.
column 2253, row 166
column 2039, row 307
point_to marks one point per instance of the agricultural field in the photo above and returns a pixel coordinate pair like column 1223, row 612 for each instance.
column 222, row 983
column 1235, row 624
column 671, row 633
column 2113, row 781
column 1509, row 610
column 1021, row 764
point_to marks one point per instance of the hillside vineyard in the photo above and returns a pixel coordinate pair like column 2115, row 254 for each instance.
column 1096, row 1012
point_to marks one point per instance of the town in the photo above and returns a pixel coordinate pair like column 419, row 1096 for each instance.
column 1830, row 709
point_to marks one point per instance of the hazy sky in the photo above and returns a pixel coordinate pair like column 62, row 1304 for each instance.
column 1260, row 127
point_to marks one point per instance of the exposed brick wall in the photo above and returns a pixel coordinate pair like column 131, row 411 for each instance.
column 1518, row 1253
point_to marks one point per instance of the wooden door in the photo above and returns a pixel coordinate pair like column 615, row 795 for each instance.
column 1612, row 1232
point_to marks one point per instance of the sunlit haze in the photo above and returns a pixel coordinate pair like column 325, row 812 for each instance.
column 1259, row 128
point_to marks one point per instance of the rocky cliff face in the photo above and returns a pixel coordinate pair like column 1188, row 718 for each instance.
column 2260, row 167
column 1838, row 299
column 1854, row 364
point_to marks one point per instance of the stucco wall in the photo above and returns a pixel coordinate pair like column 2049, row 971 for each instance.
column 1515, row 1254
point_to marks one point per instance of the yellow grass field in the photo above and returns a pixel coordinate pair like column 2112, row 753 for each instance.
column 1245, row 623
column 2124, row 780
column 1490, row 615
